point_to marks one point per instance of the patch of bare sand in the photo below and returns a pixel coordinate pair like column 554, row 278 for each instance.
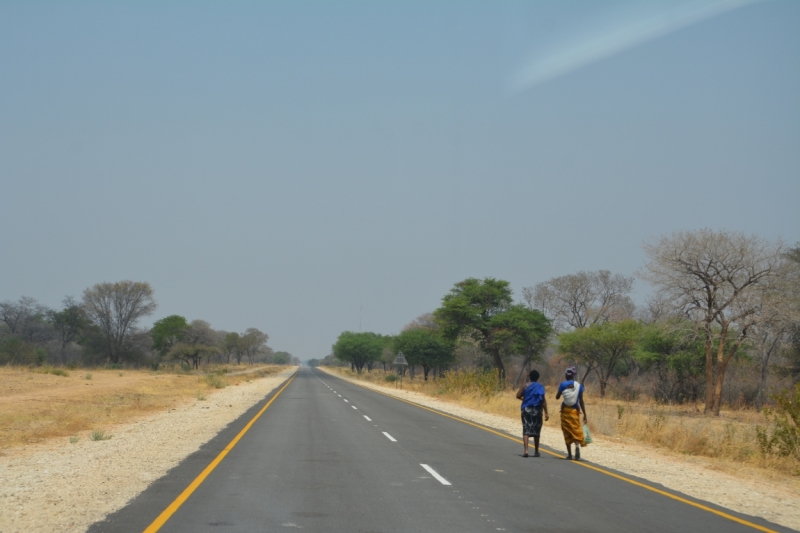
column 61, row 487
column 750, row 492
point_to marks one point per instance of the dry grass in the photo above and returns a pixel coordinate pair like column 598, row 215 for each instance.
column 35, row 406
column 729, row 438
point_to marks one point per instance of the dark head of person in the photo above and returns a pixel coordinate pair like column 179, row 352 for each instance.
column 571, row 373
column 534, row 375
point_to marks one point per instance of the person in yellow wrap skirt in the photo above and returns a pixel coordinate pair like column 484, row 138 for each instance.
column 571, row 410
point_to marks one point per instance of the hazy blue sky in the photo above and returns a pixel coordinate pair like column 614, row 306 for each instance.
column 280, row 164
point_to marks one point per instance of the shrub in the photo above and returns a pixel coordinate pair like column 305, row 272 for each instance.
column 391, row 378
column 483, row 382
column 88, row 375
column 784, row 437
column 50, row 370
column 215, row 381
column 98, row 434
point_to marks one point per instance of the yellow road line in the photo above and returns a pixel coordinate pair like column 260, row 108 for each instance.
column 581, row 463
column 165, row 515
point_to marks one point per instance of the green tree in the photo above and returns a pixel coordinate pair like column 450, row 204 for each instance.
column 424, row 347
column 197, row 342
column 359, row 348
column 167, row 332
column 282, row 358
column 70, row 324
column 601, row 347
column 522, row 331
column 469, row 310
column 675, row 357
column 15, row 351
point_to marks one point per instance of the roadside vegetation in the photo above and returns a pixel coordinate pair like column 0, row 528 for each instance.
column 709, row 365
column 36, row 405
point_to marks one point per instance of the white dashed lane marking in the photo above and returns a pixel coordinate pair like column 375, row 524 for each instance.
column 368, row 418
column 348, row 401
column 435, row 474
column 390, row 437
column 354, row 407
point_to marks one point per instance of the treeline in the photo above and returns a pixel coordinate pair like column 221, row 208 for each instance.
column 725, row 306
column 102, row 328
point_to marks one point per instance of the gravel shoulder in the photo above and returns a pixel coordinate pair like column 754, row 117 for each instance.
column 751, row 492
column 62, row 487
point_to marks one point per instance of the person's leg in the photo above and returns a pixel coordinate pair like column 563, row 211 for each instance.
column 536, row 446
column 569, row 451
column 525, row 444
column 577, row 452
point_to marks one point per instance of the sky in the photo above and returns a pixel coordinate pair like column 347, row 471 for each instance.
column 308, row 168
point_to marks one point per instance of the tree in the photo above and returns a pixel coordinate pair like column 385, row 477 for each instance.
column 522, row 331
column 115, row 308
column 713, row 278
column 425, row 347
column 601, row 347
column 26, row 320
column 358, row 348
column 253, row 342
column 582, row 299
column 233, row 345
column 469, row 309
column 69, row 324
column 167, row 332
column 676, row 359
column 197, row 341
column 282, row 358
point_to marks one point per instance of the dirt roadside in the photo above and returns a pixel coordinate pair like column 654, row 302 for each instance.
column 60, row 487
column 750, row 492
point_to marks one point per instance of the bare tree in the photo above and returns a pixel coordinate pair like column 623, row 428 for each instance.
column 25, row 319
column 715, row 278
column 115, row 308
column 423, row 321
column 582, row 299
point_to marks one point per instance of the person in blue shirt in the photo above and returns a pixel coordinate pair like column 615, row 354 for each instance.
column 571, row 410
column 533, row 403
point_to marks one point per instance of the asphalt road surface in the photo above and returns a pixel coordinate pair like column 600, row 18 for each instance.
column 330, row 456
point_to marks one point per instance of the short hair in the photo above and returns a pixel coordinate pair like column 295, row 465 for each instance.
column 534, row 375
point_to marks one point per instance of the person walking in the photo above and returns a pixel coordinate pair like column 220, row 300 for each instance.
column 533, row 404
column 571, row 410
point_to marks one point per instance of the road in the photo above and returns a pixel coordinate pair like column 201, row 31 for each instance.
column 330, row 456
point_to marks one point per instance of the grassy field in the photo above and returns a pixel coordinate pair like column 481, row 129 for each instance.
column 730, row 438
column 41, row 403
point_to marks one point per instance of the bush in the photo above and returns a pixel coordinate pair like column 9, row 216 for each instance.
column 784, row 439
column 484, row 382
column 50, row 370
column 215, row 381
column 98, row 434
column 391, row 378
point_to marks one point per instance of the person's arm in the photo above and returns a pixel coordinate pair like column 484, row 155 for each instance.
column 558, row 394
column 583, row 408
column 544, row 406
column 521, row 392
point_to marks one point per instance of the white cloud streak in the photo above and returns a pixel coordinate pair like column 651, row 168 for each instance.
column 627, row 31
